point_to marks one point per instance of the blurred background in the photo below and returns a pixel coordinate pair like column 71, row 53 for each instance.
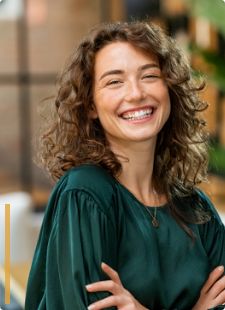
column 36, row 37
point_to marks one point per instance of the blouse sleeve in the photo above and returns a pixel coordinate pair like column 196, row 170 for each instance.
column 213, row 234
column 84, row 236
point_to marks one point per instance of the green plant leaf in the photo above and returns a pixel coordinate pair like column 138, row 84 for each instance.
column 217, row 63
column 217, row 159
column 212, row 10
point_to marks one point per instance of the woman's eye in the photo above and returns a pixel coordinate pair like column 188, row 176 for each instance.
column 113, row 82
column 151, row 76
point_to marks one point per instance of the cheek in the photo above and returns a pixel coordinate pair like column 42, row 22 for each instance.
column 166, row 107
column 107, row 103
column 168, row 110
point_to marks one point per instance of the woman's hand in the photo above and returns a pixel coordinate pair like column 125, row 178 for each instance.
column 213, row 292
column 120, row 297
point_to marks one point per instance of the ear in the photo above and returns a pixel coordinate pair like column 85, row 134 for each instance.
column 93, row 114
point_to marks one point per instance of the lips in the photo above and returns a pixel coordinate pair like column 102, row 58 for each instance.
column 137, row 114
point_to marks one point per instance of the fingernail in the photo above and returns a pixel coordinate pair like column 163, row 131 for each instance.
column 88, row 286
column 221, row 268
column 91, row 307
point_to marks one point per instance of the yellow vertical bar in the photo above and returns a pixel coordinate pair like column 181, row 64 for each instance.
column 7, row 253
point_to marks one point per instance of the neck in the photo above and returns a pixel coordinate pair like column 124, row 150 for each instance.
column 137, row 171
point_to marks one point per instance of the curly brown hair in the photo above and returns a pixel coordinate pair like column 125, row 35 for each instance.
column 75, row 138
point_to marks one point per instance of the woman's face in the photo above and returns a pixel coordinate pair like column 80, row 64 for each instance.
column 131, row 99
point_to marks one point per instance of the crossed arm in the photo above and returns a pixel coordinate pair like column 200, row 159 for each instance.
column 212, row 293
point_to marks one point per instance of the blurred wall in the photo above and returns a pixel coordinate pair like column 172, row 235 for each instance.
column 31, row 56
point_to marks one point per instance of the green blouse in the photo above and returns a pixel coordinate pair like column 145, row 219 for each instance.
column 91, row 218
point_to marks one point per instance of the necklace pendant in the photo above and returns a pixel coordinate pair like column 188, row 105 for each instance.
column 155, row 222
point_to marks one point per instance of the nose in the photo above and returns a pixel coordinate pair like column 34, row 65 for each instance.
column 134, row 92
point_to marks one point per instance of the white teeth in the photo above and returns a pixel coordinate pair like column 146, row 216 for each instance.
column 137, row 114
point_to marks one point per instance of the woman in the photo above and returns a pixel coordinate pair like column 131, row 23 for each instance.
column 125, row 226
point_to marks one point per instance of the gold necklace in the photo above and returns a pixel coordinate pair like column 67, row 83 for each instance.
column 155, row 222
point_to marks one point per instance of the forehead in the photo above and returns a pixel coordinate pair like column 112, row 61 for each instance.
column 122, row 54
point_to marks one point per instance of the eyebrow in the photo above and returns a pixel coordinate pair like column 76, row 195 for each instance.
column 117, row 71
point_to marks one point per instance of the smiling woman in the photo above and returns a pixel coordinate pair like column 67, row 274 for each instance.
column 131, row 98
column 126, row 223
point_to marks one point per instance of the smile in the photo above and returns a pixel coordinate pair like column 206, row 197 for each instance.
column 137, row 115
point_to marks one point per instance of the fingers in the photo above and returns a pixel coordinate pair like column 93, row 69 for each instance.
column 120, row 296
column 113, row 285
column 220, row 299
column 111, row 273
column 104, row 303
column 100, row 286
column 213, row 292
column 213, row 277
column 218, row 287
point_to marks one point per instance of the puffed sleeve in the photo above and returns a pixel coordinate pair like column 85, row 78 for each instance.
column 84, row 235
column 213, row 236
